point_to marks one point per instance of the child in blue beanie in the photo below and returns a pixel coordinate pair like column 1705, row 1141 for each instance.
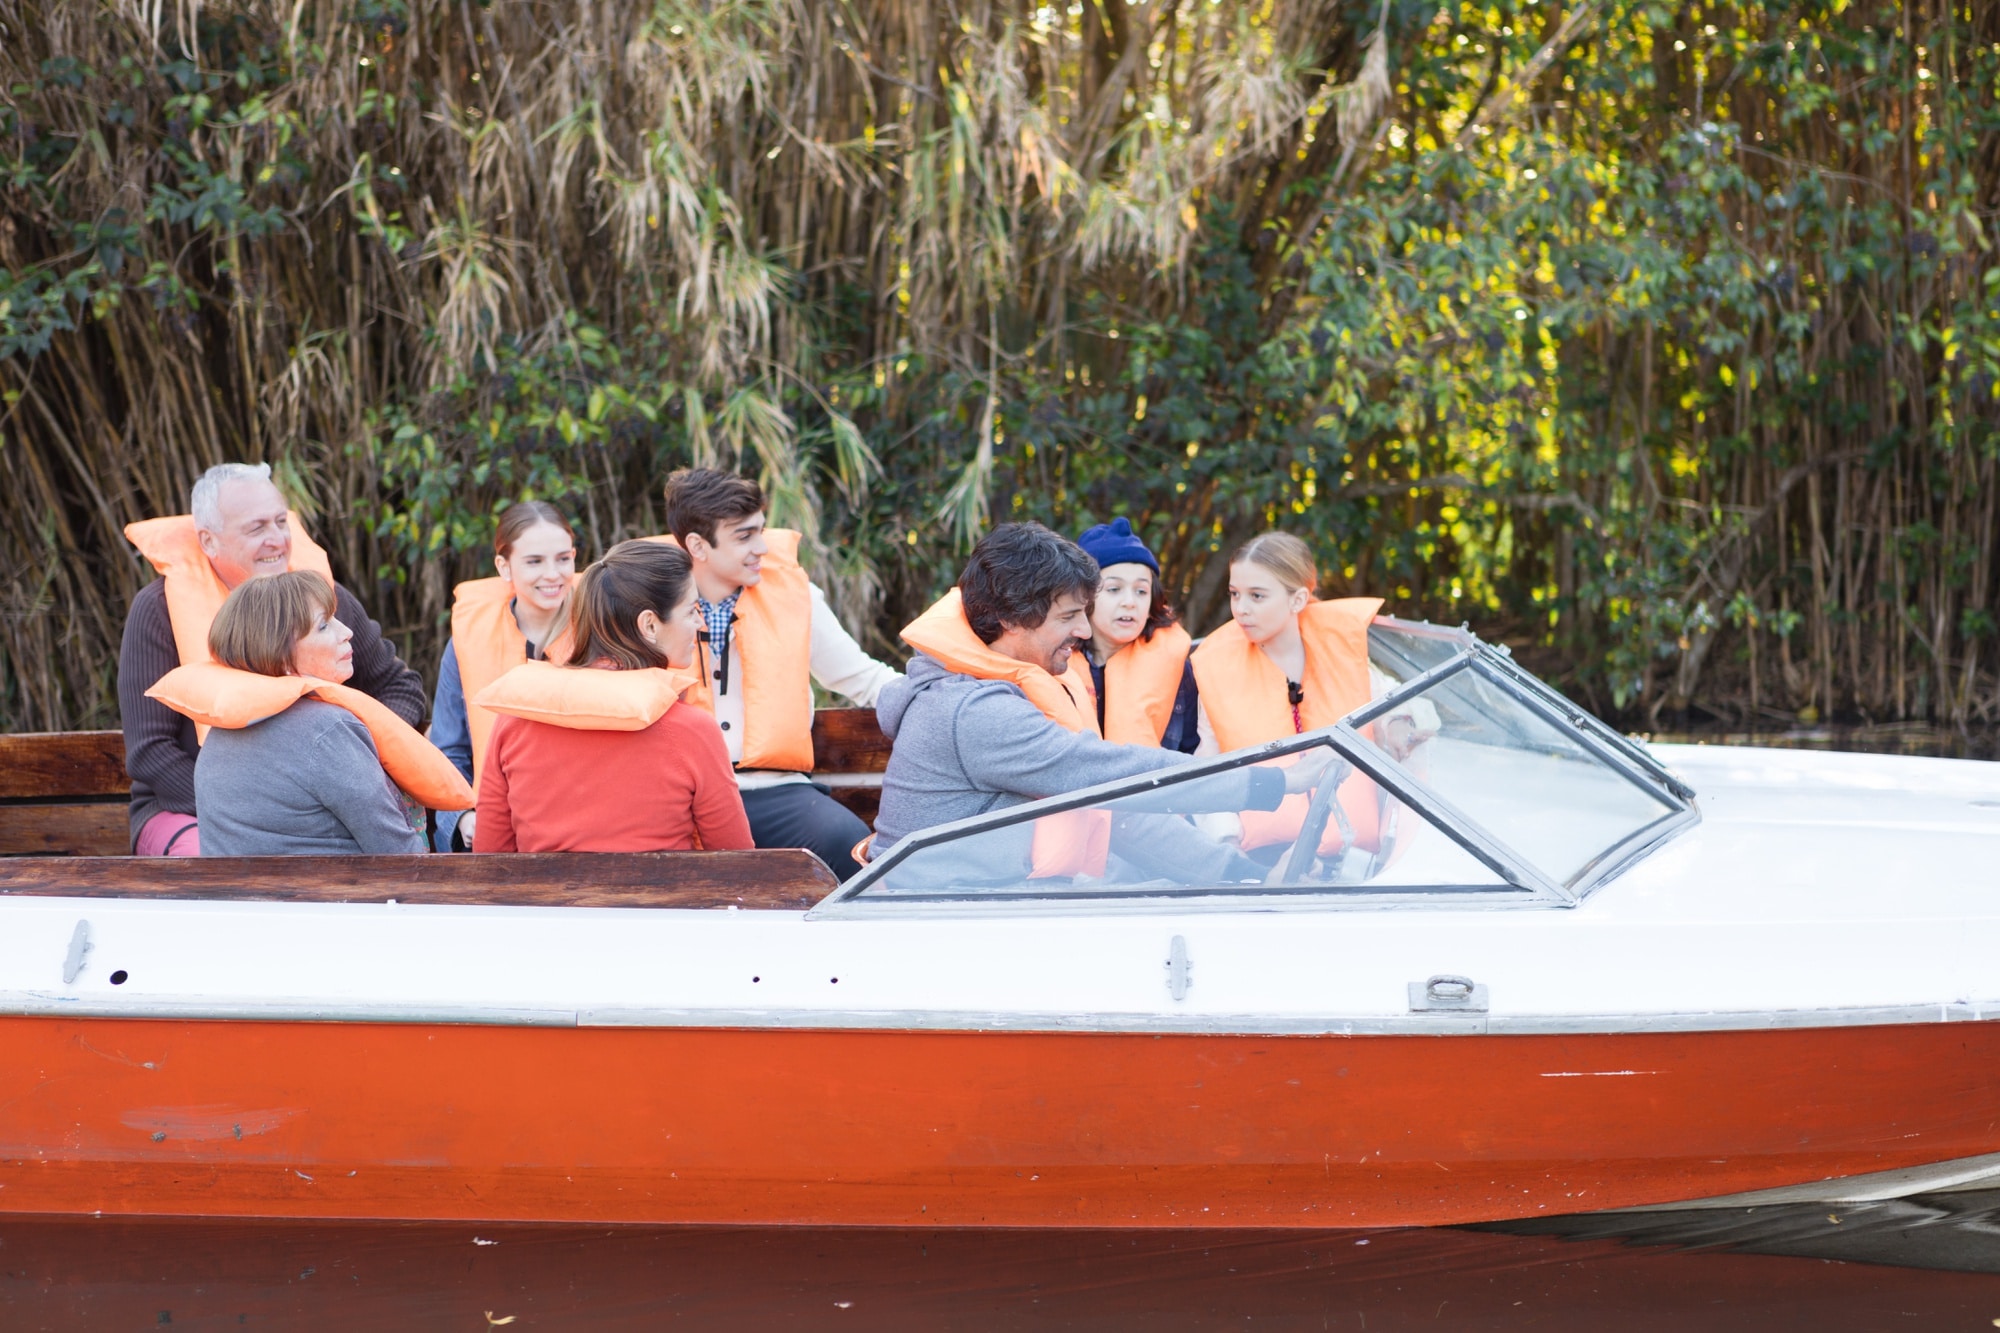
column 1138, row 652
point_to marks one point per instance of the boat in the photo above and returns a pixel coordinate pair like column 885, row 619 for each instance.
column 1523, row 967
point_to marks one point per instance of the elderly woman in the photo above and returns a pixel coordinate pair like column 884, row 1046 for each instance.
column 308, row 779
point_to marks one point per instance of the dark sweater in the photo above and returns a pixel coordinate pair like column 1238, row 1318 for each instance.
column 160, row 745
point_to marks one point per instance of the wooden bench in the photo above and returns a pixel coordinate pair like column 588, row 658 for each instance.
column 65, row 793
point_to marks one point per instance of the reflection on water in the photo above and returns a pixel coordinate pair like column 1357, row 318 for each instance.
column 1957, row 1231
column 1683, row 1271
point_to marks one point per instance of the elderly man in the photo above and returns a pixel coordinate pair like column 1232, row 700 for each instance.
column 239, row 528
column 992, row 715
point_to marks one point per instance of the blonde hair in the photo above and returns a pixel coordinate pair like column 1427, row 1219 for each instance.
column 261, row 622
column 1284, row 555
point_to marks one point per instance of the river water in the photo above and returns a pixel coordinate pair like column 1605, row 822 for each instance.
column 1928, row 1263
column 1920, row 1264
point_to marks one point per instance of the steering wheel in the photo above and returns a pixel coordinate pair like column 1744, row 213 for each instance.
column 1291, row 867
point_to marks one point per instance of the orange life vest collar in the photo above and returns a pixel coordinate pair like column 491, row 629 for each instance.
column 488, row 643
column 943, row 634
column 587, row 698
column 195, row 592
column 215, row 695
column 1075, row 842
column 1141, row 682
column 1243, row 690
column 773, row 635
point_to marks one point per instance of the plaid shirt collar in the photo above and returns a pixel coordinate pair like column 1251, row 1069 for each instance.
column 719, row 615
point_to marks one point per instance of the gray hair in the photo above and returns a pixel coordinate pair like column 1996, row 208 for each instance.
column 205, row 500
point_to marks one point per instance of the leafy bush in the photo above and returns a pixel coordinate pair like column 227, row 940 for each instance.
column 1660, row 340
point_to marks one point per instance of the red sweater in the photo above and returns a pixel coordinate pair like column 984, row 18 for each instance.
column 558, row 789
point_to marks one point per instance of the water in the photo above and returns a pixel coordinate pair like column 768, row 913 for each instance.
column 1929, row 1263
column 1932, row 1264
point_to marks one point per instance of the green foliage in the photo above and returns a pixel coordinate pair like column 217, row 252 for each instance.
column 1625, row 331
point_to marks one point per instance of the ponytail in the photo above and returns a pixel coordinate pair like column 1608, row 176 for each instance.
column 604, row 607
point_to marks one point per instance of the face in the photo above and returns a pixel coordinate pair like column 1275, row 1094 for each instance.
column 1050, row 643
column 736, row 557
column 541, row 566
column 326, row 652
column 1260, row 602
column 674, row 634
column 1124, row 596
column 256, row 534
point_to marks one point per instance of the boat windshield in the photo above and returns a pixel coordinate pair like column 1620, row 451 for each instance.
column 1463, row 780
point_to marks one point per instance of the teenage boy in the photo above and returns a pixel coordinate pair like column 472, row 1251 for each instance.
column 769, row 636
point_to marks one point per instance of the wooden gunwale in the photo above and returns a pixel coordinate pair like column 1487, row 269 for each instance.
column 783, row 880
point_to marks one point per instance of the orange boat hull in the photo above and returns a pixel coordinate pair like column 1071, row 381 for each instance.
column 948, row 1128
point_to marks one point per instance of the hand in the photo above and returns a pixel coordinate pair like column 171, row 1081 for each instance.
column 1401, row 735
column 468, row 824
column 1306, row 773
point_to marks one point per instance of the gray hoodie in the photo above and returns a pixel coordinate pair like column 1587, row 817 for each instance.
column 965, row 746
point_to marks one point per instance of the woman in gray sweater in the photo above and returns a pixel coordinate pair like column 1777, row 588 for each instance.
column 308, row 780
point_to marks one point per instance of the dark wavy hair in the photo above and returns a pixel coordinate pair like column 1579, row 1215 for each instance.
column 1016, row 573
column 701, row 499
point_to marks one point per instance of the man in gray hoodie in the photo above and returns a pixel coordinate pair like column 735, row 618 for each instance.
column 970, row 736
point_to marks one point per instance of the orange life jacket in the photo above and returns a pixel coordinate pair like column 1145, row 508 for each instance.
column 1243, row 692
column 215, row 695
column 773, row 633
column 1075, row 842
column 586, row 699
column 488, row 643
column 1141, row 681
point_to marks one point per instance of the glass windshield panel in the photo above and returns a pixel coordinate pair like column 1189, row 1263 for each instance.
column 1523, row 779
column 1404, row 649
column 1307, row 823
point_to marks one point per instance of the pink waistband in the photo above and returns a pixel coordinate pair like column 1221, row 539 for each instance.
column 169, row 833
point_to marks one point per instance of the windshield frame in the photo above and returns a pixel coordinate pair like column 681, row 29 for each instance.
column 1526, row 885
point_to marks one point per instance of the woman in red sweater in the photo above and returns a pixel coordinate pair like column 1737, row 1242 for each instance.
column 552, row 787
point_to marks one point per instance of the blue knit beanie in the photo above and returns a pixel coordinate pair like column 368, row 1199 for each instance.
column 1113, row 544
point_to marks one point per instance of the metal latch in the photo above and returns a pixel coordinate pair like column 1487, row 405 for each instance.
column 1447, row 993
